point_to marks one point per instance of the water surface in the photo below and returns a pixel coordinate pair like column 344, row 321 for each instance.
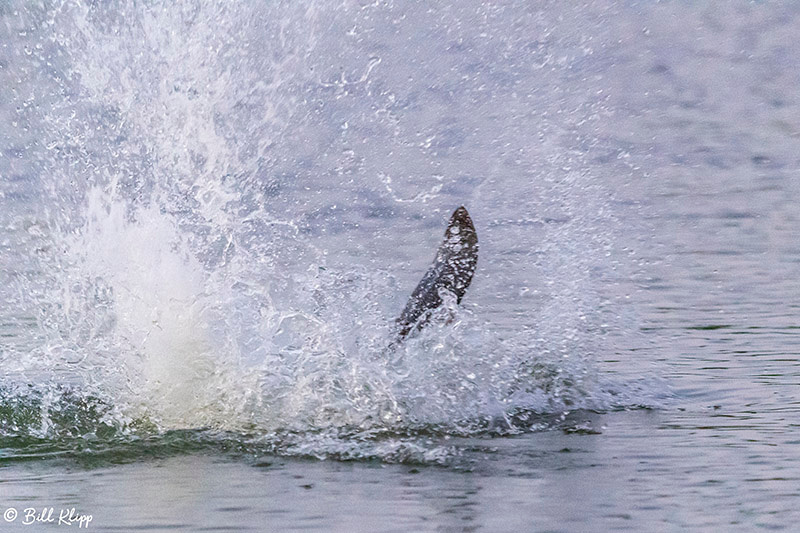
column 210, row 216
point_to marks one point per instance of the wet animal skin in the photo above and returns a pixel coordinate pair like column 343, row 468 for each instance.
column 451, row 271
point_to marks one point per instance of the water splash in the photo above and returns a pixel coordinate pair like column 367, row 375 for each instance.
column 210, row 225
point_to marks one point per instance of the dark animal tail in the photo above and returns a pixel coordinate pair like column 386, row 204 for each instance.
column 451, row 271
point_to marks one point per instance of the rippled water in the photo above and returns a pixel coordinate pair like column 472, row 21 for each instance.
column 210, row 216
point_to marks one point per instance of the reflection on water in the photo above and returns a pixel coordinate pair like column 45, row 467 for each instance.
column 551, row 481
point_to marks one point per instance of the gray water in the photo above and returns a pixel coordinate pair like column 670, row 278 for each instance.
column 209, row 217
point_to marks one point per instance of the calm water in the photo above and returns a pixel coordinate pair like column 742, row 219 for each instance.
column 209, row 217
